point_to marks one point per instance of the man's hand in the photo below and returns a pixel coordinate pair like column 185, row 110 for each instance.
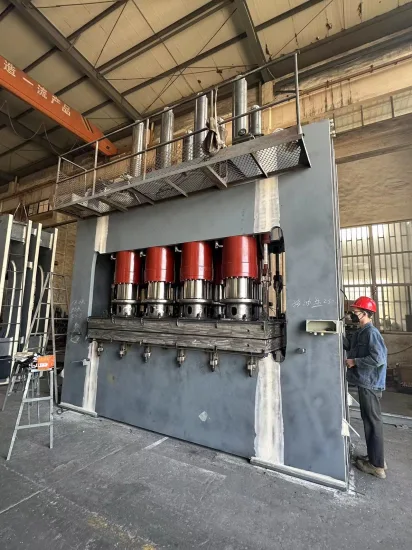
column 350, row 363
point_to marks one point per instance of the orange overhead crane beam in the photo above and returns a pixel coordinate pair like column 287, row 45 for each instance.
column 21, row 85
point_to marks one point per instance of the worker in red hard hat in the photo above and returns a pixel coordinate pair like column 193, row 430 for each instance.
column 366, row 362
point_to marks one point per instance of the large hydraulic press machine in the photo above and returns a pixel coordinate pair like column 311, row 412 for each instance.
column 206, row 301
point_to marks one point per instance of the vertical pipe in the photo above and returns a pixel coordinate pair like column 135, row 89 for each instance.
column 187, row 152
column 164, row 153
column 145, row 144
column 201, row 107
column 137, row 147
column 59, row 163
column 255, row 121
column 96, row 153
column 277, row 289
column 239, row 106
column 295, row 57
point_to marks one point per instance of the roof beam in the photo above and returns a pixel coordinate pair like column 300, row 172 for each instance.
column 27, row 134
column 185, row 64
column 71, row 37
column 165, row 34
column 6, row 11
column 285, row 15
column 115, row 6
column 5, row 177
column 289, row 13
column 135, row 51
column 362, row 34
column 37, row 20
column 254, row 46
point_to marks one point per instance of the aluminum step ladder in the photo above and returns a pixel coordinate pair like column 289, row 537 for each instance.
column 44, row 340
column 46, row 316
column 31, row 369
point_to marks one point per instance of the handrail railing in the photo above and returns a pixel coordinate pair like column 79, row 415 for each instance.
column 218, row 86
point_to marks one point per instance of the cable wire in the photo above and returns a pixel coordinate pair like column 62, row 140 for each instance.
column 38, row 132
column 400, row 351
column 110, row 33
column 169, row 83
column 215, row 69
column 160, row 38
column 14, row 129
column 302, row 29
column 31, row 6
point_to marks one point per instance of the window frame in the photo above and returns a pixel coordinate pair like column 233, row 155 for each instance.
column 379, row 291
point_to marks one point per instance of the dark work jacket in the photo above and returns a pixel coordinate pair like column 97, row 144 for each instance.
column 369, row 351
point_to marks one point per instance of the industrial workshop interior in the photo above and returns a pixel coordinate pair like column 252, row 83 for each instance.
column 206, row 274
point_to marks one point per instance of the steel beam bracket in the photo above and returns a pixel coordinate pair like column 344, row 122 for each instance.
column 147, row 352
column 181, row 356
column 123, row 350
column 213, row 360
column 251, row 366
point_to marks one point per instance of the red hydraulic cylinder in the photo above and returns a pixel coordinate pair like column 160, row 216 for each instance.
column 128, row 264
column 196, row 262
column 240, row 258
column 159, row 265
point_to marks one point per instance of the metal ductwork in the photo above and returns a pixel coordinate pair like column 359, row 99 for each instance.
column 137, row 147
column 188, row 145
column 239, row 106
column 255, row 121
column 201, row 116
column 164, row 153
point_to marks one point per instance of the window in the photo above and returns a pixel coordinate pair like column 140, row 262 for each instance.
column 38, row 207
column 377, row 261
column 32, row 209
column 43, row 206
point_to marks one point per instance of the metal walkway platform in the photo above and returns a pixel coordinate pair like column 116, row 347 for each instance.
column 110, row 187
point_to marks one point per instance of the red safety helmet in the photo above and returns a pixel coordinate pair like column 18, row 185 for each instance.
column 363, row 302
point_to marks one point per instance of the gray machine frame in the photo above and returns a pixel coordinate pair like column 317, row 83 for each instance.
column 290, row 416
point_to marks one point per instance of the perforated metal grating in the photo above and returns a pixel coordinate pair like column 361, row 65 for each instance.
column 111, row 186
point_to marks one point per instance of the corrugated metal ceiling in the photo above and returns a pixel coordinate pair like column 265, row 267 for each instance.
column 133, row 22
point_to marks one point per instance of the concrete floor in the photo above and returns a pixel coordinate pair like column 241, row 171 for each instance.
column 392, row 402
column 107, row 486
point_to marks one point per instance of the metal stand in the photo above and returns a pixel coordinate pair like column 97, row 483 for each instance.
column 32, row 389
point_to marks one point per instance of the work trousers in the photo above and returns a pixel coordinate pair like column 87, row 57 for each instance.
column 370, row 408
